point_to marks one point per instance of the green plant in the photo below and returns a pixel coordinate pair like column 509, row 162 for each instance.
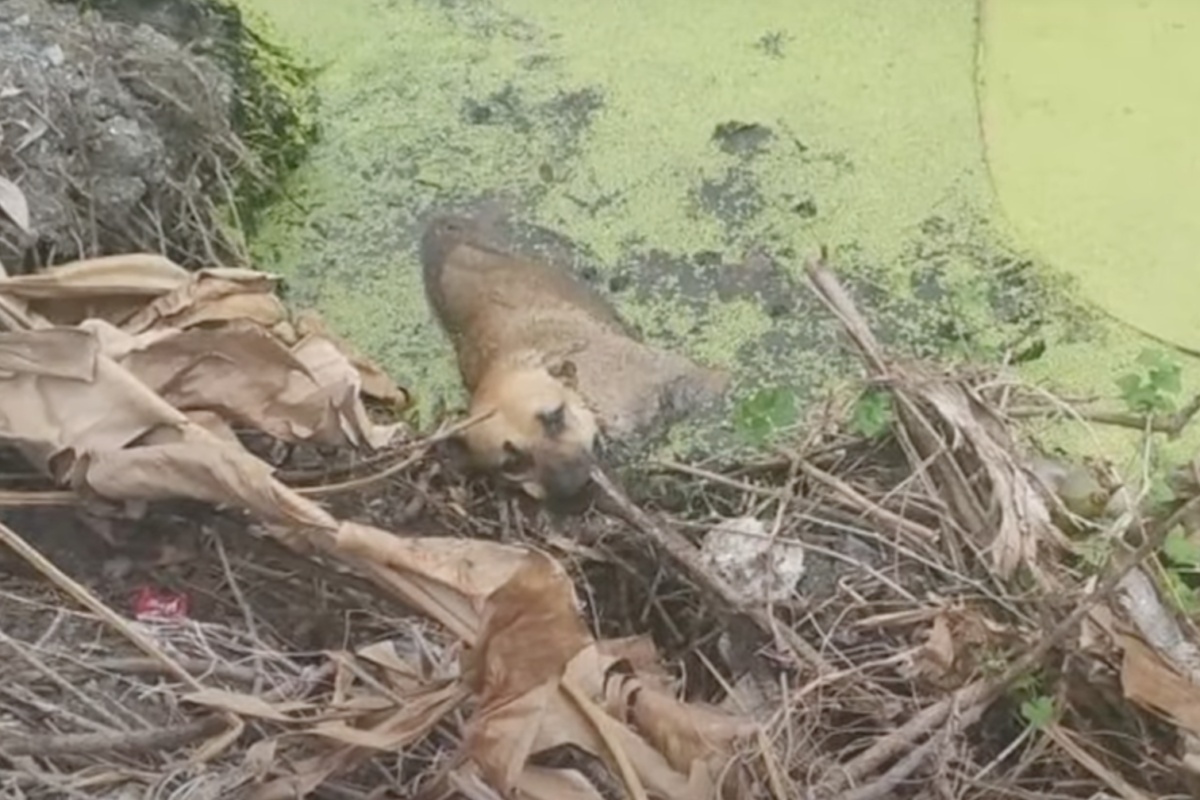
column 764, row 413
column 1185, row 598
column 1181, row 550
column 1038, row 710
column 1152, row 390
column 1159, row 493
column 1037, row 707
column 872, row 413
column 1182, row 557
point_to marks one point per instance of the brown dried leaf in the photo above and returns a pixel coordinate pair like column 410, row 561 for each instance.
column 240, row 372
column 957, row 637
column 384, row 654
column 260, row 757
column 534, row 783
column 231, row 295
column 500, row 738
column 400, row 674
column 111, row 288
column 686, row 734
column 367, row 703
column 210, row 471
column 677, row 750
column 538, row 783
column 82, row 409
column 935, row 660
column 80, row 422
column 341, row 388
column 533, row 646
column 445, row 579
column 242, row 704
column 214, row 295
column 14, row 205
column 375, row 382
column 420, row 711
column 213, row 747
column 640, row 653
column 130, row 275
column 1150, row 682
column 55, row 352
column 214, row 424
column 652, row 768
column 1024, row 521
column 531, row 629
column 939, row 647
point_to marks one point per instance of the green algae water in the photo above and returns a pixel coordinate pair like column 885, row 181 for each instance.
column 1089, row 119
column 1091, row 115
column 689, row 156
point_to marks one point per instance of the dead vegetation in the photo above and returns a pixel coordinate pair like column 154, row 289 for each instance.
column 225, row 579
column 222, row 577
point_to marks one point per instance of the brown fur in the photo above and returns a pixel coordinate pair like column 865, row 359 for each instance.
column 549, row 357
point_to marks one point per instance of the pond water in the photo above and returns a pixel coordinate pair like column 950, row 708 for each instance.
column 687, row 156
column 1091, row 123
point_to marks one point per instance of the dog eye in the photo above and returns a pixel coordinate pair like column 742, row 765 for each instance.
column 515, row 460
column 554, row 422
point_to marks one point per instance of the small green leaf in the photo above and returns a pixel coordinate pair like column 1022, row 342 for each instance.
column 1160, row 492
column 764, row 413
column 1181, row 550
column 1038, row 711
column 872, row 414
column 1151, row 392
column 1167, row 379
column 1183, row 595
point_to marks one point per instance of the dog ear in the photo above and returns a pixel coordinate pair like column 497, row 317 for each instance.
column 565, row 372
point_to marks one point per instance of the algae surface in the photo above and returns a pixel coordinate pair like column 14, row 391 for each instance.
column 686, row 157
column 1091, row 118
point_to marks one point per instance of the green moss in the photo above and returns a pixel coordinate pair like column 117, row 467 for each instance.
column 274, row 111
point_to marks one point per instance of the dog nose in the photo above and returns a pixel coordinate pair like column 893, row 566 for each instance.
column 567, row 479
